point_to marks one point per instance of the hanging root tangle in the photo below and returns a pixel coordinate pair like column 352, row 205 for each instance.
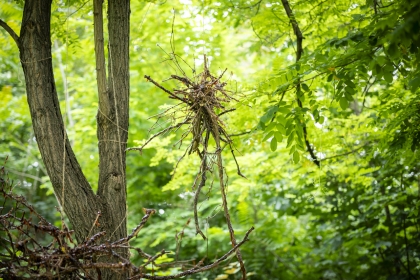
column 202, row 100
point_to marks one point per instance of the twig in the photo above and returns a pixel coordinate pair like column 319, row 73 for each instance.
column 215, row 133
column 136, row 230
column 347, row 153
column 11, row 32
column 156, row 135
column 162, row 88
column 203, row 171
column 152, row 259
column 196, row 270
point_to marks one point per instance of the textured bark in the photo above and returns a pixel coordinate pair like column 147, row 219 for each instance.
column 75, row 195
column 113, row 122
column 98, row 31
column 72, row 189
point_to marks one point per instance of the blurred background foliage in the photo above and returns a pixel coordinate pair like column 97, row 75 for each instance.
column 354, row 217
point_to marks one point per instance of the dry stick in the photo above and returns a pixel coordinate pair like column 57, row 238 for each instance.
column 164, row 89
column 151, row 260
column 203, row 171
column 94, row 238
column 236, row 162
column 227, row 111
column 24, row 202
column 215, row 133
column 157, row 134
column 95, row 223
column 136, row 230
column 299, row 51
column 178, row 239
column 197, row 270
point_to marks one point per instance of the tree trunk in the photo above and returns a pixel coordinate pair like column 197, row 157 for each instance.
column 70, row 185
column 73, row 191
column 112, row 115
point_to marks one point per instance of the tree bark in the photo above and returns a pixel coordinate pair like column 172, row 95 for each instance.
column 73, row 191
column 112, row 118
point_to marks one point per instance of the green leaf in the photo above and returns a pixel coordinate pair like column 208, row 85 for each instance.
column 393, row 49
column 349, row 83
column 348, row 97
column 350, row 90
column 305, row 87
column 284, row 110
column 296, row 157
column 344, row 104
column 270, row 134
column 381, row 60
column 264, row 119
column 273, row 144
column 357, row 17
column 290, row 139
column 414, row 84
column 289, row 128
column 378, row 70
column 278, row 136
column 281, row 128
column 388, row 77
column 292, row 149
column 330, row 77
column 302, row 98
column 270, row 127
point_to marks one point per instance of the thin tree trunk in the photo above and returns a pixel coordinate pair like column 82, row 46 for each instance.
column 72, row 189
column 112, row 115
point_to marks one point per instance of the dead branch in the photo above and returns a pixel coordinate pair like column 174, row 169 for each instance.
column 200, row 269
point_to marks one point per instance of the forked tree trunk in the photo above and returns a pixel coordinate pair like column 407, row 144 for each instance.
column 73, row 191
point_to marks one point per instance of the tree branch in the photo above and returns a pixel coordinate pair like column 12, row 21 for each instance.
column 296, row 28
column 47, row 121
column 10, row 31
column 98, row 35
column 299, row 51
column 195, row 269
column 347, row 153
column 113, row 117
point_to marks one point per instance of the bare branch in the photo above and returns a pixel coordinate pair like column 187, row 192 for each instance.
column 347, row 153
column 162, row 88
column 11, row 32
column 196, row 270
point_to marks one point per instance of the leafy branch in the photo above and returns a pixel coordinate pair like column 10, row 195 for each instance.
column 299, row 51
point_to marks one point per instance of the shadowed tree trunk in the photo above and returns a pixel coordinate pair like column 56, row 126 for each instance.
column 73, row 191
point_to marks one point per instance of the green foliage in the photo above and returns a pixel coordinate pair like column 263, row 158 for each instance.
column 354, row 217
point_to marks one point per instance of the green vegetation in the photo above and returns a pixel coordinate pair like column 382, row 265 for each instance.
column 326, row 131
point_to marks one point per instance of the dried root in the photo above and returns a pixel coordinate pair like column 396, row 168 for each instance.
column 201, row 104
